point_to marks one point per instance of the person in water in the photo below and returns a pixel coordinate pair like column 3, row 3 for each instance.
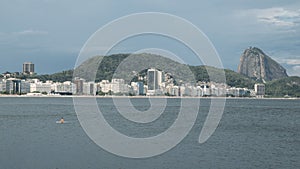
column 62, row 120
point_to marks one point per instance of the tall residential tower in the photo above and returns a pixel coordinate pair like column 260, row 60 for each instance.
column 154, row 80
column 28, row 68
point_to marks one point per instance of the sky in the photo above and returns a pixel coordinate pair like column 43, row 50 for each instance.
column 51, row 33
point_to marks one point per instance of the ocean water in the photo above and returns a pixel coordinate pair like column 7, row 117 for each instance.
column 253, row 133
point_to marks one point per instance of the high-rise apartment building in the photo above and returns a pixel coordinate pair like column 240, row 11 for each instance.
column 13, row 86
column 154, row 80
column 79, row 85
column 28, row 68
column 259, row 90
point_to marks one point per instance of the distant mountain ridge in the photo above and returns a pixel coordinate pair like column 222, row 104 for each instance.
column 254, row 63
column 110, row 63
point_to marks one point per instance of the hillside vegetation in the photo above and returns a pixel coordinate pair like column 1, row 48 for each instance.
column 289, row 86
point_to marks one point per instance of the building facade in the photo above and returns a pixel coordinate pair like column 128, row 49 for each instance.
column 28, row 68
column 13, row 86
column 154, row 80
column 259, row 90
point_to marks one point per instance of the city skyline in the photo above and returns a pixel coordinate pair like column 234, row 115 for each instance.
column 51, row 33
column 157, row 83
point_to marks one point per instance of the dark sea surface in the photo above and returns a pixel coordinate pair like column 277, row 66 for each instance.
column 253, row 133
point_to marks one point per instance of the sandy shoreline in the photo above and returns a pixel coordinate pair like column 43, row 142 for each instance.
column 137, row 97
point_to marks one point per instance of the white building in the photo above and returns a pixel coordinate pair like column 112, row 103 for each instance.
column 40, row 87
column 2, row 86
column 65, row 87
column 119, row 86
column 105, row 86
column 135, row 88
column 206, row 90
column 259, row 90
column 89, row 88
column 25, row 86
column 199, row 91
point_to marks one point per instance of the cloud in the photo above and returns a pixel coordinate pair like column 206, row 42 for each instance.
column 14, row 37
column 276, row 16
column 292, row 65
column 289, row 61
column 295, row 71
column 31, row 32
column 279, row 16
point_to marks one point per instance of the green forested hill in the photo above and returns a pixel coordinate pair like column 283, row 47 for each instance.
column 233, row 79
column 56, row 77
column 110, row 63
column 287, row 86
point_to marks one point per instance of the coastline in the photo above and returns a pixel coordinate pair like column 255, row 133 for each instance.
column 142, row 97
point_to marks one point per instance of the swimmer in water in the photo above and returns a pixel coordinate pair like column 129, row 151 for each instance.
column 62, row 120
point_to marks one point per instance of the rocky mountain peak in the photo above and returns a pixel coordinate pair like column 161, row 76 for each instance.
column 255, row 64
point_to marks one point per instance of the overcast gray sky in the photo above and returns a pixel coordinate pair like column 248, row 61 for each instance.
column 50, row 33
